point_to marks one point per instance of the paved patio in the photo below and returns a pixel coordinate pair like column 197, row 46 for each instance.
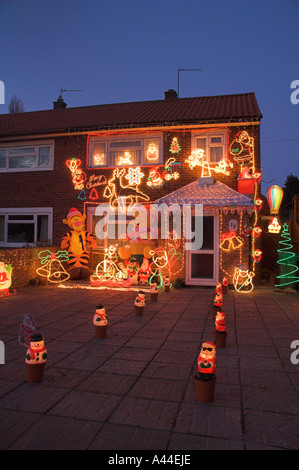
column 133, row 390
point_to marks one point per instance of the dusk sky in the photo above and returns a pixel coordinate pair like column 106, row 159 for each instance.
column 120, row 51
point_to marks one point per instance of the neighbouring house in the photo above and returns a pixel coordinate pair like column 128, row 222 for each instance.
column 182, row 151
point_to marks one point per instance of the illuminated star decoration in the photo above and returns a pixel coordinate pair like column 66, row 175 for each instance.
column 134, row 176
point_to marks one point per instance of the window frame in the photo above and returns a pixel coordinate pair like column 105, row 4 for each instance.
column 27, row 144
column 25, row 211
column 209, row 134
column 106, row 140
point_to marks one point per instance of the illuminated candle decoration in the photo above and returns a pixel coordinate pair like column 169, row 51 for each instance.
column 126, row 159
column 286, row 261
column 35, row 360
column 242, row 279
column 52, row 268
column 152, row 153
column 175, row 146
column 131, row 194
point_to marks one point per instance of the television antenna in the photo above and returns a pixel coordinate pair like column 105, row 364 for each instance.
column 184, row 70
column 62, row 90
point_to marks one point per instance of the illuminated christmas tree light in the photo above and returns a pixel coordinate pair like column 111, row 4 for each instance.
column 286, row 261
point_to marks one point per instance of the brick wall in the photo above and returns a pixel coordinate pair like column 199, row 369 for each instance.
column 56, row 189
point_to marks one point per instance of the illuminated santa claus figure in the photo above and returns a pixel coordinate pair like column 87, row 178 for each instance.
column 220, row 324
column 206, row 362
column 217, row 303
column 224, row 285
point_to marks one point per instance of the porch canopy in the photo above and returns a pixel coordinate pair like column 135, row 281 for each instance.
column 213, row 196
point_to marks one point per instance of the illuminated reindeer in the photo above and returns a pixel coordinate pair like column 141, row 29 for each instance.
column 118, row 188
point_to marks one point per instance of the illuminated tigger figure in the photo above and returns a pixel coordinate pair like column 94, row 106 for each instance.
column 75, row 242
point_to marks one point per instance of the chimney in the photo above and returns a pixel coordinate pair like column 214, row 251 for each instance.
column 59, row 104
column 170, row 94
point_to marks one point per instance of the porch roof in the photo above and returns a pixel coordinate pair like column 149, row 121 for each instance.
column 214, row 196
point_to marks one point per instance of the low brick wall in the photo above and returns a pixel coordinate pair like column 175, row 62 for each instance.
column 24, row 263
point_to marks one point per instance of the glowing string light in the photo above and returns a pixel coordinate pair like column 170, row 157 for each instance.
column 286, row 261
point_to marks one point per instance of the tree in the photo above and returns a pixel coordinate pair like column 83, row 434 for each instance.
column 286, row 261
column 16, row 105
column 291, row 187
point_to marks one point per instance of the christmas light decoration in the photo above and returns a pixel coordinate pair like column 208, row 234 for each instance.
column 130, row 194
column 98, row 159
column 155, row 179
column 125, row 160
column 107, row 269
column 196, row 158
column 175, row 146
column 52, row 268
column 242, row 279
column 152, row 153
column 242, row 149
column 93, row 195
column 170, row 164
column 134, row 176
column 286, row 261
column 79, row 177
column 274, row 226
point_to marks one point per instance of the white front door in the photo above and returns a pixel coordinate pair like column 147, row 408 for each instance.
column 202, row 266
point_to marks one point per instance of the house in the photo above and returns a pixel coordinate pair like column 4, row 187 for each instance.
column 183, row 151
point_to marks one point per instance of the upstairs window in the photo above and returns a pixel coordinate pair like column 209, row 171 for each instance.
column 20, row 157
column 212, row 142
column 125, row 151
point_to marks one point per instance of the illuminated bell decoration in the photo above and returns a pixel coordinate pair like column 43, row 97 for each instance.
column 246, row 182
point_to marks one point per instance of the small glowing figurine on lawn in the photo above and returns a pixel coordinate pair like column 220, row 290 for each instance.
column 206, row 362
column 220, row 324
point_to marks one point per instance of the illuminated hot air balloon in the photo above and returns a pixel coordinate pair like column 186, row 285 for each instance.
column 274, row 198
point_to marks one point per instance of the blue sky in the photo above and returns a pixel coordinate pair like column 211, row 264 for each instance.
column 119, row 51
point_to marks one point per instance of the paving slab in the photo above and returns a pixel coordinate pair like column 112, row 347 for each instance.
column 133, row 390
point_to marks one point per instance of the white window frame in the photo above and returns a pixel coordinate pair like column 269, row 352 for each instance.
column 28, row 144
column 34, row 211
column 208, row 134
column 143, row 138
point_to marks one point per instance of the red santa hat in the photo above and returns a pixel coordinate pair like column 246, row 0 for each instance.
column 73, row 211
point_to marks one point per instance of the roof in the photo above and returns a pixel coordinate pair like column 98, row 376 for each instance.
column 217, row 195
column 201, row 110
